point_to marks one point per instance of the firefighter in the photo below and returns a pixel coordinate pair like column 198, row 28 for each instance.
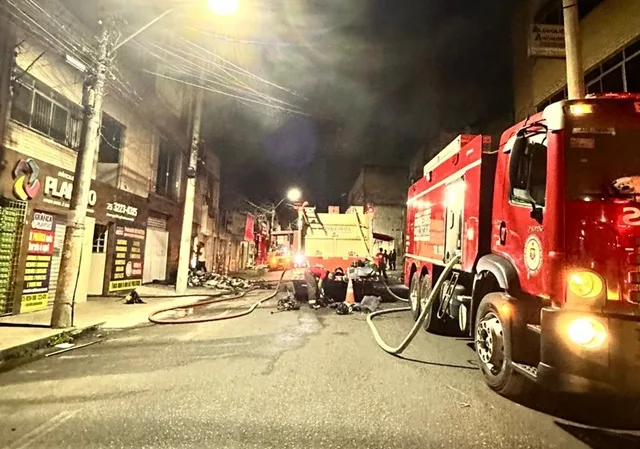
column 381, row 262
column 314, row 277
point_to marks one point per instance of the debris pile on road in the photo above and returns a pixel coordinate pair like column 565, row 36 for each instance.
column 199, row 278
column 288, row 303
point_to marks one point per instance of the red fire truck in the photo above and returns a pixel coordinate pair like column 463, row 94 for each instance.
column 547, row 228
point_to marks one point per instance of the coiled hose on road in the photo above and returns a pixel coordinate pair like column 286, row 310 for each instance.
column 419, row 322
column 215, row 299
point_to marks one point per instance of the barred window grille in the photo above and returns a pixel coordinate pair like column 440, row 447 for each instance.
column 38, row 107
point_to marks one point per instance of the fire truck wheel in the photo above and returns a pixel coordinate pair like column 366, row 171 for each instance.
column 414, row 295
column 493, row 348
column 431, row 322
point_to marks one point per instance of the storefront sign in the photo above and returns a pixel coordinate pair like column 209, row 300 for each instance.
column 126, row 271
column 35, row 294
column 26, row 184
column 58, row 191
column 249, row 228
column 547, row 41
column 121, row 211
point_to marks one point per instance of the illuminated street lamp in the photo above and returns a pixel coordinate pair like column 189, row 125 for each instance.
column 294, row 195
column 219, row 7
column 223, row 7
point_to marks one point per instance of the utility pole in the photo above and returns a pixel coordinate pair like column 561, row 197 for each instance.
column 189, row 199
column 92, row 99
column 575, row 72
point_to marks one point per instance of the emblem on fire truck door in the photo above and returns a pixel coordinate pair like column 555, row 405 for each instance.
column 533, row 254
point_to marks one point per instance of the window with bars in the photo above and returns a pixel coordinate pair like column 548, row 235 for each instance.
column 42, row 109
column 619, row 73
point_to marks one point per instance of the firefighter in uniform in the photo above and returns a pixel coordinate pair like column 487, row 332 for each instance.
column 314, row 277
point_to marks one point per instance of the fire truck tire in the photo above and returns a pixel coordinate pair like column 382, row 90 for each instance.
column 493, row 346
column 431, row 322
column 414, row 295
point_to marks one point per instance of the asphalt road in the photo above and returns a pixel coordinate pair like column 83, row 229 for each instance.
column 300, row 379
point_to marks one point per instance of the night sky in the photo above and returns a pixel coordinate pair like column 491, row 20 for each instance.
column 377, row 79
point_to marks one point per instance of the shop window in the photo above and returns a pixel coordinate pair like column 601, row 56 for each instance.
column 633, row 74
column 595, row 87
column 111, row 133
column 168, row 173
column 42, row 109
column 612, row 81
column 619, row 73
column 100, row 238
column 632, row 49
column 612, row 62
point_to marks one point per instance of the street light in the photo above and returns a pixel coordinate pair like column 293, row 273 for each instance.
column 294, row 195
column 219, row 7
column 223, row 7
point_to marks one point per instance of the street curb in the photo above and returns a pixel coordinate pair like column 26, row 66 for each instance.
column 25, row 349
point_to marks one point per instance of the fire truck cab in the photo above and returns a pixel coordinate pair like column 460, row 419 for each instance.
column 547, row 228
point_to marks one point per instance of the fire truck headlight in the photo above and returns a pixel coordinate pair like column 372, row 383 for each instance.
column 586, row 284
column 587, row 332
column 299, row 259
column 580, row 109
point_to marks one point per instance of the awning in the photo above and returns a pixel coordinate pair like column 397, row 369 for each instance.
column 382, row 237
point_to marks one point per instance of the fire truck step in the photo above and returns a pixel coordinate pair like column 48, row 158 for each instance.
column 526, row 370
column 535, row 328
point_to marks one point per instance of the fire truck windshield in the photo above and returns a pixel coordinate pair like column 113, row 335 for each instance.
column 603, row 162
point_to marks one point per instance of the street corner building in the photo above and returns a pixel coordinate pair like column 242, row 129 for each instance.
column 610, row 34
column 134, row 219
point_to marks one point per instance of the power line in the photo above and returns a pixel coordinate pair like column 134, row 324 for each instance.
column 293, row 111
column 242, row 70
column 239, row 87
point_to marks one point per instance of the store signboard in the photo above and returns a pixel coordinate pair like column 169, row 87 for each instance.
column 250, row 225
column 126, row 269
column 35, row 294
column 547, row 41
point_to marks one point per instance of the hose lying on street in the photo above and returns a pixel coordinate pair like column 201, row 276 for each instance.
column 393, row 295
column 419, row 322
column 215, row 299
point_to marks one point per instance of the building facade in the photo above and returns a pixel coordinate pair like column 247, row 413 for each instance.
column 383, row 190
column 132, row 230
column 610, row 32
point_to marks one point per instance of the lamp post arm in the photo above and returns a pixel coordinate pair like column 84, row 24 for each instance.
column 143, row 29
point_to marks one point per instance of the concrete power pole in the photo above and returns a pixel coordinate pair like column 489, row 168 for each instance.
column 93, row 95
column 189, row 199
column 575, row 71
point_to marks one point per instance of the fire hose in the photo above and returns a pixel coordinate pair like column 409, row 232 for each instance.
column 419, row 322
column 393, row 295
column 214, row 299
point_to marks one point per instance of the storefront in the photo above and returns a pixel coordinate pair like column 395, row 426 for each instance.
column 35, row 200
column 157, row 249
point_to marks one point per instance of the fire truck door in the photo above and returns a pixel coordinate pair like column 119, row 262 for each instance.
column 455, row 210
column 524, row 233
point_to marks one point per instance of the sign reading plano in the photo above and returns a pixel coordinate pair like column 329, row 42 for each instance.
column 106, row 202
column 61, row 188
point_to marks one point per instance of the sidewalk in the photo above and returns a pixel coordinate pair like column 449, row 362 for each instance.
column 19, row 333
